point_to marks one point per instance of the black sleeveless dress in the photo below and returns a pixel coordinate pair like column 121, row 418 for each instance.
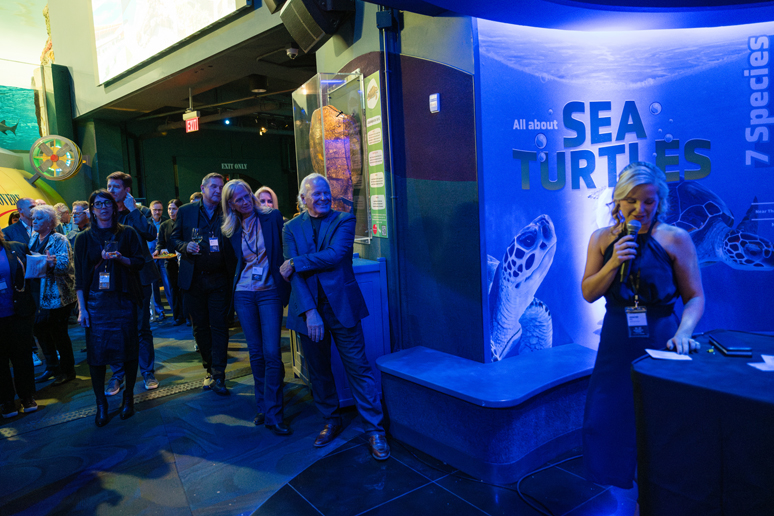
column 609, row 441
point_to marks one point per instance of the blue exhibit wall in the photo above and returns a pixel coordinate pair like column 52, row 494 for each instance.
column 562, row 112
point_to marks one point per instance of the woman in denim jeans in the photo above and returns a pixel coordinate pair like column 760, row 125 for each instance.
column 260, row 292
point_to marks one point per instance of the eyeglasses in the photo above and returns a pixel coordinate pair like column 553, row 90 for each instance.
column 102, row 204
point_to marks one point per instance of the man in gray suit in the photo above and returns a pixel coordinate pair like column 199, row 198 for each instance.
column 326, row 302
column 21, row 230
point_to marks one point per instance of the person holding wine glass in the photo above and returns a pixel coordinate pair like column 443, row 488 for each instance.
column 207, row 264
column 108, row 258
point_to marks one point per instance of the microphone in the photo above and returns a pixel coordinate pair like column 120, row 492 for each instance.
column 632, row 228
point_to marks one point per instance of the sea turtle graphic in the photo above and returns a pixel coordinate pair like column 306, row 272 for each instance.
column 521, row 322
column 705, row 216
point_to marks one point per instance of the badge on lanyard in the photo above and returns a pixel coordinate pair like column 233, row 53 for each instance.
column 104, row 280
column 3, row 285
column 258, row 273
column 637, row 320
column 214, row 245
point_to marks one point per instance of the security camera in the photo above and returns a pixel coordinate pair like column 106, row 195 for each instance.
column 292, row 51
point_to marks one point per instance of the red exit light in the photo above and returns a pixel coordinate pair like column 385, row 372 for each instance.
column 192, row 125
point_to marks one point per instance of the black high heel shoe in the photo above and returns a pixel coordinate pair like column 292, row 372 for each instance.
column 127, row 408
column 101, row 419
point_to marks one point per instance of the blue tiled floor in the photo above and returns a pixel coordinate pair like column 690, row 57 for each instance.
column 193, row 452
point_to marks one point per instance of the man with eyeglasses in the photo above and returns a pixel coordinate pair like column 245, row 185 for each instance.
column 119, row 185
column 81, row 221
column 205, row 275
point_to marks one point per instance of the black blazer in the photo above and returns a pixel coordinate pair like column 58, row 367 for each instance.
column 271, row 228
column 187, row 219
column 165, row 242
column 16, row 233
column 23, row 301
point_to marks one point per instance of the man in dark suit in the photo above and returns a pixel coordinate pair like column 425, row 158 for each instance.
column 206, row 270
column 326, row 302
column 119, row 185
column 21, row 230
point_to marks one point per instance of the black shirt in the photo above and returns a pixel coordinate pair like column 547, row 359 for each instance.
column 210, row 261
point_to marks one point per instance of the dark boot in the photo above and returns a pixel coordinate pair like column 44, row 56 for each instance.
column 127, row 408
column 101, row 418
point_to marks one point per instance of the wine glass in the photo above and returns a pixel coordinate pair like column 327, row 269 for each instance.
column 196, row 236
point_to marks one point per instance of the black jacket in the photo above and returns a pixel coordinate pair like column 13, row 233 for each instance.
column 187, row 219
column 23, row 301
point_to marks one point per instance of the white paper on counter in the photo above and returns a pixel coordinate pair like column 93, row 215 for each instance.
column 763, row 366
column 666, row 355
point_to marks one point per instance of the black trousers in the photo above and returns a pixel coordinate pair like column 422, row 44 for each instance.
column 209, row 302
column 14, row 347
column 51, row 331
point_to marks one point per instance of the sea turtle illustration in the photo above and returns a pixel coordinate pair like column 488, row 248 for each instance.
column 698, row 210
column 520, row 322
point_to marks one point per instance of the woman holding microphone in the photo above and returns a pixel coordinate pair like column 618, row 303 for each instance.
column 662, row 266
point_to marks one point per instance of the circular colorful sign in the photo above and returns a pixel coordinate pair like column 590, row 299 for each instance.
column 55, row 157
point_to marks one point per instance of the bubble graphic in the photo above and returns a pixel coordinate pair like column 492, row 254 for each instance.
column 543, row 77
column 655, row 108
column 670, row 120
column 550, row 111
column 655, row 155
column 668, row 137
column 540, row 141
column 660, row 131
column 542, row 157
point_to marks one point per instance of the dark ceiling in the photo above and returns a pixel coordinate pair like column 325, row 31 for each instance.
column 220, row 84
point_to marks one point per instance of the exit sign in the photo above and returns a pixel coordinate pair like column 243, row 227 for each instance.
column 192, row 125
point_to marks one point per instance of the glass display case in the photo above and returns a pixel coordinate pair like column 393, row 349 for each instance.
column 328, row 127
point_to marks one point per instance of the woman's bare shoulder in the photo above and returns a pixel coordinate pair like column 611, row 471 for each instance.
column 602, row 237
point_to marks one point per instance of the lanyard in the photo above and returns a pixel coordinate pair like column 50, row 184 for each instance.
column 245, row 239
column 634, row 280
column 212, row 222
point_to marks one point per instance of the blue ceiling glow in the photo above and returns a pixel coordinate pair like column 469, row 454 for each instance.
column 595, row 15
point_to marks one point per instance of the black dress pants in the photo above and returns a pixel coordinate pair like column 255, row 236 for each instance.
column 209, row 302
column 14, row 347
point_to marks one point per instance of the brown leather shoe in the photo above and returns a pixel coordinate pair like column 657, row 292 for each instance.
column 380, row 450
column 327, row 435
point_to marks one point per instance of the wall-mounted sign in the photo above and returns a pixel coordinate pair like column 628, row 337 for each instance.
column 54, row 157
column 192, row 125
column 375, row 154
column 233, row 166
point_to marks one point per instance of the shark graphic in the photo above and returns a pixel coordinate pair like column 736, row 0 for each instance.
column 4, row 127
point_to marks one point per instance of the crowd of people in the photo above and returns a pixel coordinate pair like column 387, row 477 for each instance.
column 105, row 261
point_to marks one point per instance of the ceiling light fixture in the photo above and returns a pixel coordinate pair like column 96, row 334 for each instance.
column 258, row 83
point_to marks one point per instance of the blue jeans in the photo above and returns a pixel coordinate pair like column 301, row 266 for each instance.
column 147, row 351
column 350, row 343
column 168, row 292
column 260, row 314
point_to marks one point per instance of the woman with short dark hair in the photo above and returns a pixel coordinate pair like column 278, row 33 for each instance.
column 108, row 260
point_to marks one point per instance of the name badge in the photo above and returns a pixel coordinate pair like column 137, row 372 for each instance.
column 637, row 320
column 3, row 285
column 104, row 280
column 258, row 273
column 214, row 245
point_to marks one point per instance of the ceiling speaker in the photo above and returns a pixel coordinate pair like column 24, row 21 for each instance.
column 312, row 22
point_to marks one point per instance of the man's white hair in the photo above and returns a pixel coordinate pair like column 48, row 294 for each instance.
column 306, row 184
